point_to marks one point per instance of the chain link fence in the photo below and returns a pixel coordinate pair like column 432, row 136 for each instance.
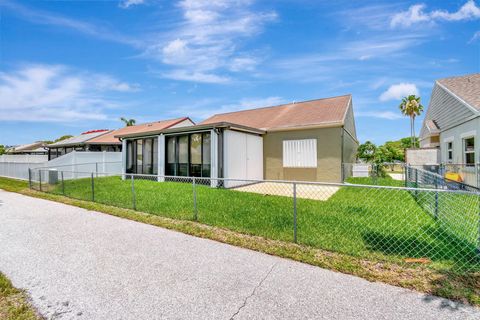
column 440, row 226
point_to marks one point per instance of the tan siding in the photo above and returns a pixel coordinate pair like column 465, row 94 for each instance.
column 350, row 121
column 350, row 147
column 329, row 154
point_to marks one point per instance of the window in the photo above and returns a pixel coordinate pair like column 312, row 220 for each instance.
column 450, row 151
column 469, row 151
column 300, row 153
column 188, row 155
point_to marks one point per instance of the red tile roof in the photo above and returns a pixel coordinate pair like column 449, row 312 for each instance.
column 293, row 115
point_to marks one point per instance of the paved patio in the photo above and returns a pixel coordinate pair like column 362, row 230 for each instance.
column 304, row 191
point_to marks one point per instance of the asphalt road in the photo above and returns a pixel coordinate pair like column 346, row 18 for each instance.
column 79, row 264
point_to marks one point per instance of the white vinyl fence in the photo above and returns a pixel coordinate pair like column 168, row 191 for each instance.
column 99, row 162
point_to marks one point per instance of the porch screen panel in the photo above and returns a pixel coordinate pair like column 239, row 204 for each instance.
column 130, row 157
column 155, row 156
column 139, row 166
column 171, row 168
column 196, row 155
column 182, row 156
column 147, row 156
column 206, row 155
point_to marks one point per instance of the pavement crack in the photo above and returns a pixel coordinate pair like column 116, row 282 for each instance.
column 244, row 304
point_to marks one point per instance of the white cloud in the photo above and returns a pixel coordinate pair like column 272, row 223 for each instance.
column 56, row 93
column 388, row 115
column 195, row 76
column 416, row 14
column 469, row 11
column 398, row 91
column 127, row 3
column 50, row 19
column 205, row 44
column 475, row 37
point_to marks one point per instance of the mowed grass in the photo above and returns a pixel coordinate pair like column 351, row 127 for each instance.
column 389, row 224
column 13, row 303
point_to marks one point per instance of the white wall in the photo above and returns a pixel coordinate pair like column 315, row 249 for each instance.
column 456, row 135
column 420, row 157
column 243, row 157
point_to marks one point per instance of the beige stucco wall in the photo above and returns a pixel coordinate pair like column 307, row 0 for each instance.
column 329, row 155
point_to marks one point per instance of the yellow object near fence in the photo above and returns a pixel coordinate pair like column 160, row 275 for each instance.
column 453, row 177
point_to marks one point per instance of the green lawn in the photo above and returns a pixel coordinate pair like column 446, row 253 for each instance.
column 14, row 303
column 365, row 222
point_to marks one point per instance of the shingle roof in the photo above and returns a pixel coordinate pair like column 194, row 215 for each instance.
column 36, row 146
column 292, row 115
column 148, row 127
column 107, row 138
column 77, row 140
column 465, row 87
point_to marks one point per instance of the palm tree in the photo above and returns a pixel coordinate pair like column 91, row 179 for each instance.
column 128, row 122
column 411, row 107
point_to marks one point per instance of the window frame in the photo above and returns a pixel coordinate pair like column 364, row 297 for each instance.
column 294, row 145
column 465, row 151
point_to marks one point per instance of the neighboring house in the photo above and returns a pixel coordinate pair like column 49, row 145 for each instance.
column 452, row 122
column 92, row 141
column 299, row 141
column 36, row 148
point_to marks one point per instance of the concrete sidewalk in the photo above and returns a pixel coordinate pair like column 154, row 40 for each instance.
column 79, row 264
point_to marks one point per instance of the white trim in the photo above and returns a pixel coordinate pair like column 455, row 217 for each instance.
column 469, row 134
column 161, row 157
column 449, row 139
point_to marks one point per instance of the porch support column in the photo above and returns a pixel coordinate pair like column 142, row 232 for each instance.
column 161, row 158
column 124, row 158
column 214, row 158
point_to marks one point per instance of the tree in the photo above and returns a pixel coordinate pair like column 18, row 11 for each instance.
column 411, row 107
column 2, row 149
column 406, row 143
column 366, row 151
column 128, row 122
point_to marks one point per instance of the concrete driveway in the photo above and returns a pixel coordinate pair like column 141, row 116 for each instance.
column 79, row 264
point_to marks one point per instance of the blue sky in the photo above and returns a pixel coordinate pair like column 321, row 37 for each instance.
column 72, row 66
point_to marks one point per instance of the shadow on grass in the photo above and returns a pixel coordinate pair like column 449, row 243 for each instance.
column 433, row 243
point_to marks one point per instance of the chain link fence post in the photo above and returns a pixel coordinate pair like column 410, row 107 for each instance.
column 436, row 198
column 63, row 183
column 134, row 198
column 96, row 169
column 40, row 180
column 195, row 209
column 30, row 178
column 294, row 212
column 93, row 188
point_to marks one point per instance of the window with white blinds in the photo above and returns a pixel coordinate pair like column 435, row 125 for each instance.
column 300, row 153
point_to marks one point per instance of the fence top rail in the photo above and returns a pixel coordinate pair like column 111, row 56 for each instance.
column 78, row 164
column 313, row 183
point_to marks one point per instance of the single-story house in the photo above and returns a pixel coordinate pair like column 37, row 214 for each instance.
column 297, row 141
column 36, row 148
column 452, row 121
column 92, row 141
column 452, row 125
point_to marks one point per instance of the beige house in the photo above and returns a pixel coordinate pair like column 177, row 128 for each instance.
column 305, row 141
